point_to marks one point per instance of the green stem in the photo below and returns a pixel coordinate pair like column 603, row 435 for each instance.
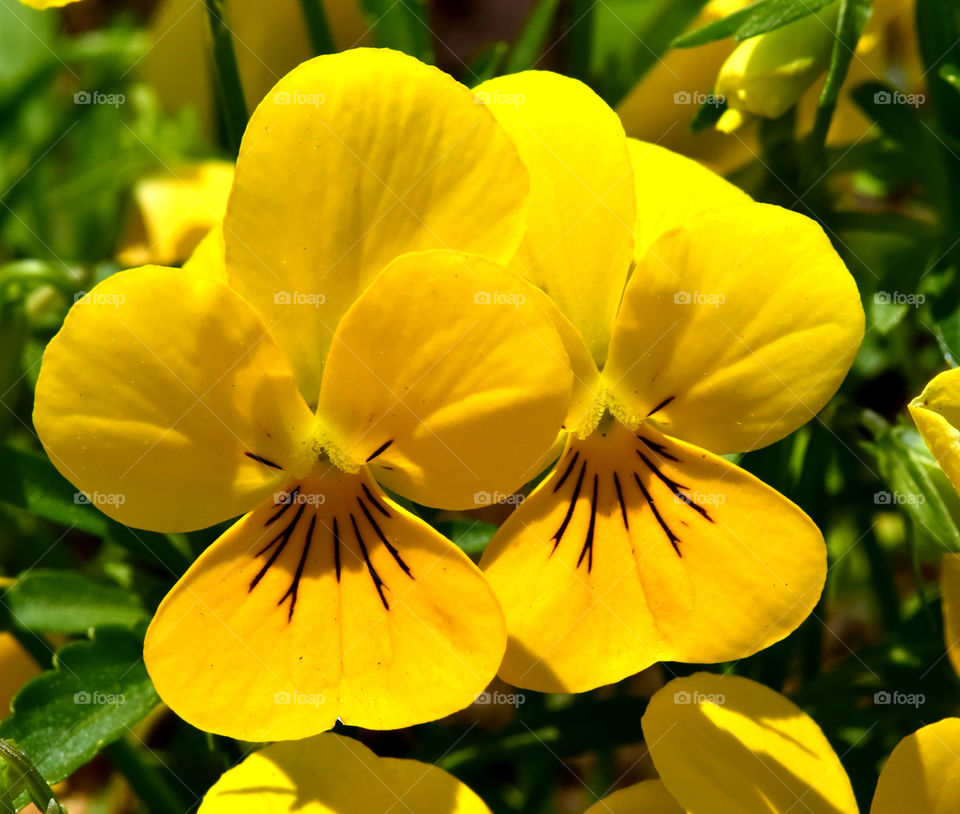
column 881, row 577
column 318, row 27
column 229, row 86
column 146, row 782
column 25, row 777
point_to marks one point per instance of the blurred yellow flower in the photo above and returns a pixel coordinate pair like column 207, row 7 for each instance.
column 696, row 320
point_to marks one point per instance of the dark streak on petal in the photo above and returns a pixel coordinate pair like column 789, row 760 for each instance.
column 623, row 506
column 573, row 504
column 383, row 538
column 566, row 474
column 666, row 529
column 261, row 460
column 377, row 582
column 373, row 500
column 283, row 538
column 290, row 500
column 295, row 585
column 661, row 405
column 379, row 450
column 675, row 488
column 588, row 543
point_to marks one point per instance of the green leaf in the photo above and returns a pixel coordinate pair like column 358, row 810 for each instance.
column 528, row 45
column 401, row 24
column 708, row 114
column 756, row 19
column 47, row 601
column 950, row 73
column 96, row 693
column 29, row 481
column 486, row 64
column 470, row 535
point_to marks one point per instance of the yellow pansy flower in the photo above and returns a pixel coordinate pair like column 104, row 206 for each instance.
column 936, row 412
column 359, row 333
column 331, row 774
column 696, row 320
column 728, row 745
column 174, row 211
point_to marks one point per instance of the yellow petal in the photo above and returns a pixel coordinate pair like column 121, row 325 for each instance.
column 671, row 189
column 936, row 412
column 579, row 242
column 923, row 772
column 728, row 745
column 449, row 378
column 327, row 601
column 352, row 160
column 17, row 667
column 648, row 797
column 639, row 549
column 164, row 400
column 950, row 598
column 207, row 259
column 735, row 329
column 175, row 211
column 44, row 4
column 331, row 774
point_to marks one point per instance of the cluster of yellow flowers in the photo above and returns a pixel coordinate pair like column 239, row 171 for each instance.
column 422, row 292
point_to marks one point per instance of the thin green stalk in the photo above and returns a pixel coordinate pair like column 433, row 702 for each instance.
column 227, row 74
column 147, row 783
column 24, row 777
column 318, row 27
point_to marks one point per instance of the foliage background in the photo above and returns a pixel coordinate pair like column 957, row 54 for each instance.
column 84, row 586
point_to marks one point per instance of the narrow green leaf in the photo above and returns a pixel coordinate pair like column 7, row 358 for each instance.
column 318, row 27
column 470, row 535
column 528, row 46
column 47, row 601
column 950, row 73
column 227, row 74
column 97, row 692
column 486, row 64
column 401, row 24
column 756, row 19
column 708, row 114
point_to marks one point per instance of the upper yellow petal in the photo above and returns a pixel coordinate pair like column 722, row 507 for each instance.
column 728, row 745
column 164, row 399
column 331, row 774
column 648, row 797
column 449, row 378
column 579, row 242
column 923, row 772
column 735, row 329
column 936, row 412
column 351, row 160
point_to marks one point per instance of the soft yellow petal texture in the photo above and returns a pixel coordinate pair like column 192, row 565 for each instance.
column 648, row 797
column 950, row 600
column 936, row 412
column 43, row 4
column 326, row 601
column 207, row 259
column 671, row 189
column 579, row 242
column 735, row 329
column 165, row 400
column 268, row 41
column 640, row 549
column 728, row 745
column 350, row 161
column 175, row 211
column 449, row 377
column 331, row 774
column 922, row 773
